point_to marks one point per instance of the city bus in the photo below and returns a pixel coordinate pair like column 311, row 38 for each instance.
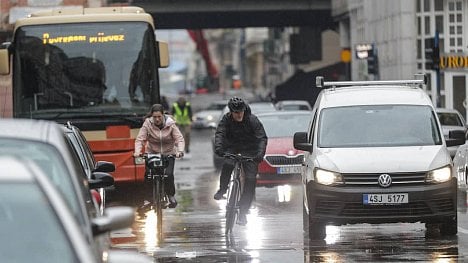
column 95, row 67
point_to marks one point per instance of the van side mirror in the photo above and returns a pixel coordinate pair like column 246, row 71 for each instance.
column 456, row 137
column 301, row 143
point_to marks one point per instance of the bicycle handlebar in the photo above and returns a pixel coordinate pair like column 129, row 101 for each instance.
column 238, row 157
column 148, row 155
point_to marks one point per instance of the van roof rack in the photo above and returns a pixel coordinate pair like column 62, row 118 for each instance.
column 420, row 80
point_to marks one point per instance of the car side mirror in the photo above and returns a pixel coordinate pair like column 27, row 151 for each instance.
column 456, row 137
column 100, row 180
column 301, row 143
column 104, row 166
column 114, row 218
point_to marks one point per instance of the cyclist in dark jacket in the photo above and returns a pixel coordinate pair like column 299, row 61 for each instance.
column 239, row 131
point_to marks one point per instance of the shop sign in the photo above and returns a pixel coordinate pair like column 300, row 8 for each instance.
column 453, row 62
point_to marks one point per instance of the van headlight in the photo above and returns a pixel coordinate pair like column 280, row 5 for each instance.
column 327, row 177
column 439, row 175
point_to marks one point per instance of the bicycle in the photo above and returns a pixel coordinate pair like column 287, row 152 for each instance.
column 156, row 164
column 235, row 189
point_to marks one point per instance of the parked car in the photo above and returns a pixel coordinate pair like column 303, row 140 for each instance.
column 44, row 143
column 37, row 223
column 293, row 105
column 208, row 117
column 451, row 120
column 93, row 169
column 375, row 153
column 282, row 163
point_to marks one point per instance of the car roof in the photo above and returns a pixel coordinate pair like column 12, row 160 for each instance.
column 282, row 113
column 293, row 102
column 25, row 171
column 51, row 133
column 372, row 95
column 446, row 110
column 21, row 129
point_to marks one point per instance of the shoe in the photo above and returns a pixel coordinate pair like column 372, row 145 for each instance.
column 242, row 220
column 187, row 151
column 219, row 194
column 172, row 201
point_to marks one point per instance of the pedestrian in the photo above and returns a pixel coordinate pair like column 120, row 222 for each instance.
column 159, row 134
column 165, row 103
column 182, row 112
column 240, row 132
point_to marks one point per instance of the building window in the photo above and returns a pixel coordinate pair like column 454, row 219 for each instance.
column 427, row 25
column 438, row 5
column 427, row 5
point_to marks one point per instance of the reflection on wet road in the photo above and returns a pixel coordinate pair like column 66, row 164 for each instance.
column 194, row 231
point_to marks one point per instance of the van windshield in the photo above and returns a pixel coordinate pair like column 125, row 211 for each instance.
column 378, row 126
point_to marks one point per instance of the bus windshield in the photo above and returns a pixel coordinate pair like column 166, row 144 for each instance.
column 84, row 70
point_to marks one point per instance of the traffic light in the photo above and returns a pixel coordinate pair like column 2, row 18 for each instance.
column 432, row 54
column 372, row 63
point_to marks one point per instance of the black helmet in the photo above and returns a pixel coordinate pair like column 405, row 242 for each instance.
column 236, row 104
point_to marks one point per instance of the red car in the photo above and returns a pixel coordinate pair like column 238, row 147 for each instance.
column 282, row 163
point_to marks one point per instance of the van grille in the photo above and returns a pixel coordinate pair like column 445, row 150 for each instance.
column 358, row 179
column 360, row 210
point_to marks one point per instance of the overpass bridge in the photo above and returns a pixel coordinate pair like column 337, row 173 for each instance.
column 199, row 14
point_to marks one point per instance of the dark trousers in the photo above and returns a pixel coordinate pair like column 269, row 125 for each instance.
column 169, row 186
column 250, row 182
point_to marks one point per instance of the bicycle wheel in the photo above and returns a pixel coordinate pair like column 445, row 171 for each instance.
column 232, row 206
column 159, row 203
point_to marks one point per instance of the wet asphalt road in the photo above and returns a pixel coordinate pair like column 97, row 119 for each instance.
column 194, row 231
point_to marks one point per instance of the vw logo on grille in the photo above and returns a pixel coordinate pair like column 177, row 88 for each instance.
column 385, row 180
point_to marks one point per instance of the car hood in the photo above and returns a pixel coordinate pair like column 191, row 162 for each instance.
column 281, row 145
column 383, row 159
column 203, row 114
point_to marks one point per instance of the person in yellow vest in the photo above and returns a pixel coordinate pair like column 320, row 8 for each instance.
column 182, row 112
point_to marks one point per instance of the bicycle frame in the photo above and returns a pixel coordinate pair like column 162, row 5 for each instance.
column 157, row 164
column 235, row 190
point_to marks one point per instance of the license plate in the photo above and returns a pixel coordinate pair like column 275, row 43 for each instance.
column 289, row 170
column 383, row 199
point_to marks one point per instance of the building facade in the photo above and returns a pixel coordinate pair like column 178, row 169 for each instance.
column 402, row 32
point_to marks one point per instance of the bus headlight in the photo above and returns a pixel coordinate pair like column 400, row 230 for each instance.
column 327, row 177
column 439, row 175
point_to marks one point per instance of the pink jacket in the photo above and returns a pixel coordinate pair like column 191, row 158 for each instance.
column 167, row 140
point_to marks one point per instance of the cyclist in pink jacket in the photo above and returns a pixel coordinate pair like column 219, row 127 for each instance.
column 159, row 134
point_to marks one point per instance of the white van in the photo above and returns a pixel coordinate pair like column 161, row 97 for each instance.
column 375, row 153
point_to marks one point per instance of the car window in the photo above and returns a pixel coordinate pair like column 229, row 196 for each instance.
column 83, row 186
column 85, row 146
column 295, row 107
column 449, row 119
column 30, row 228
column 216, row 107
column 289, row 124
column 378, row 126
column 80, row 152
column 49, row 159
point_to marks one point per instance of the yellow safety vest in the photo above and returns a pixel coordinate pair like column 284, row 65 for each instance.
column 182, row 118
